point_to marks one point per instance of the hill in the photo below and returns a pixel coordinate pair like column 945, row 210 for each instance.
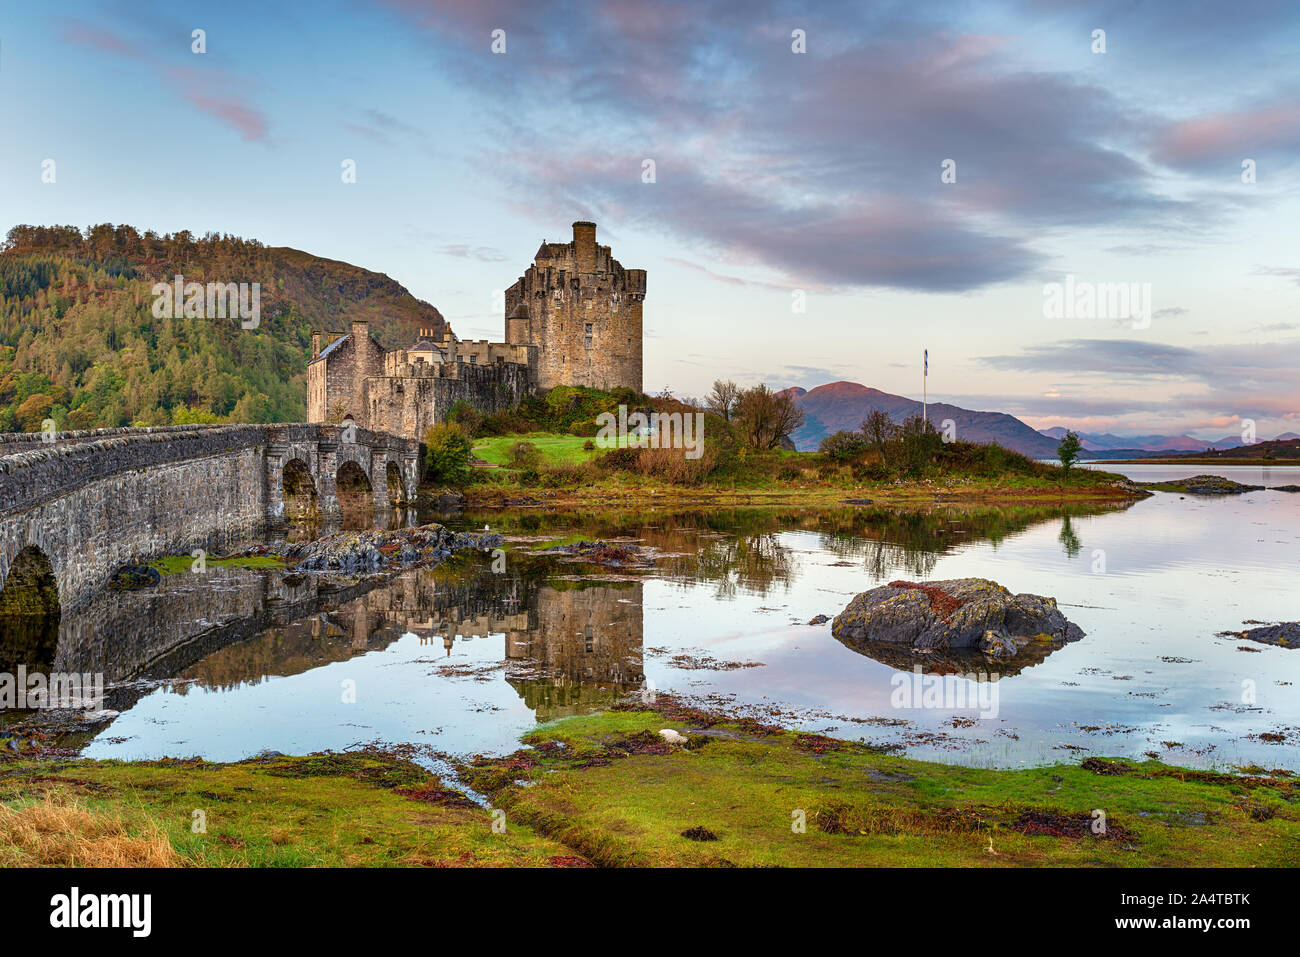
column 79, row 342
column 843, row 405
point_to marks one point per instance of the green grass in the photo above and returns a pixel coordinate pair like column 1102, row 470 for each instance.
column 555, row 449
column 605, row 789
column 177, row 564
column 351, row 810
column 866, row 808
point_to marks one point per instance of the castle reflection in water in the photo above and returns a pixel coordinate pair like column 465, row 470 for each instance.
column 566, row 645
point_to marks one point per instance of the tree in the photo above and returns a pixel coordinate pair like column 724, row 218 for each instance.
column 879, row 429
column 722, row 400
column 33, row 412
column 764, row 417
column 447, row 453
column 788, row 416
column 1068, row 453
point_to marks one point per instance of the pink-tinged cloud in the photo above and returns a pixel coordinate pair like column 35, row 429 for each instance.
column 1228, row 137
column 97, row 38
column 230, row 108
column 195, row 85
column 248, row 120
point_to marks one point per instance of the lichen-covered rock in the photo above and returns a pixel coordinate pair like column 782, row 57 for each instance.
column 961, row 613
column 998, row 646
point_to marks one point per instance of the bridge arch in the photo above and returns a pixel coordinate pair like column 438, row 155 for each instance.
column 29, row 611
column 352, row 485
column 300, row 493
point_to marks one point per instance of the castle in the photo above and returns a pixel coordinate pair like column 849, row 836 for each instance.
column 573, row 318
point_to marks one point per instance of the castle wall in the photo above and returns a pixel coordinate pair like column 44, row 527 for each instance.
column 410, row 404
column 317, row 393
column 481, row 352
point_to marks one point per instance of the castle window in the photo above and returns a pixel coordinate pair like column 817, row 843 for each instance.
column 587, row 330
column 473, row 360
column 588, row 342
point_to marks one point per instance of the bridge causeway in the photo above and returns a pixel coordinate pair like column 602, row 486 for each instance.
column 80, row 507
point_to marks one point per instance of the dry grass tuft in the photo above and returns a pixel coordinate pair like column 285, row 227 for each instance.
column 55, row 832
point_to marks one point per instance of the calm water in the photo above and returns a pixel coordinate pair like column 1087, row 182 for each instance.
column 460, row 660
column 1266, row 475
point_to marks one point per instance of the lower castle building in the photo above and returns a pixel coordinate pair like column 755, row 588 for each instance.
column 573, row 318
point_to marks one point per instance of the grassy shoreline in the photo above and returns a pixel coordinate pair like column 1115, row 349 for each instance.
column 635, row 495
column 606, row 790
column 528, row 468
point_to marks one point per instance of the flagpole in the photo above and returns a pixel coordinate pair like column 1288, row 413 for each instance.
column 925, row 377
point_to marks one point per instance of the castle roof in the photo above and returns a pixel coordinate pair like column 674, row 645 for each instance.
column 543, row 251
column 519, row 312
column 424, row 345
column 332, row 346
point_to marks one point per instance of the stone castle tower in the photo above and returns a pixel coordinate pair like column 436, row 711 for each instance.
column 582, row 310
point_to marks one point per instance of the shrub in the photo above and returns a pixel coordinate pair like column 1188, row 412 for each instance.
column 524, row 455
column 589, row 446
column 618, row 460
column 874, row 471
column 843, row 446
column 447, row 452
column 564, row 476
column 466, row 416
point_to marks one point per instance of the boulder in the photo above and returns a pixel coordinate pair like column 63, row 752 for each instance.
column 974, row 614
column 131, row 577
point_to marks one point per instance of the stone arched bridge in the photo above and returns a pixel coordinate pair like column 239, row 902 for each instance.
column 76, row 509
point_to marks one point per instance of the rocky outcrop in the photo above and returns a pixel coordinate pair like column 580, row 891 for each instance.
column 1203, row 485
column 971, row 614
column 1284, row 635
column 366, row 552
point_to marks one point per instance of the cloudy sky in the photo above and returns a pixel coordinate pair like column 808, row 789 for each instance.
column 774, row 171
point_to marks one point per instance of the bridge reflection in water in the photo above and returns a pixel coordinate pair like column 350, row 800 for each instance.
column 566, row 646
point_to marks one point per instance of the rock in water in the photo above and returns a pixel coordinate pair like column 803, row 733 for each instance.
column 960, row 613
column 1285, row 635
column 131, row 577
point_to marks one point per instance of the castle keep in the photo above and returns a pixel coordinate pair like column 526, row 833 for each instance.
column 574, row 318
column 582, row 310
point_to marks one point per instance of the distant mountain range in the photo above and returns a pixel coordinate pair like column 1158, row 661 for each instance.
column 843, row 405
column 1104, row 441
